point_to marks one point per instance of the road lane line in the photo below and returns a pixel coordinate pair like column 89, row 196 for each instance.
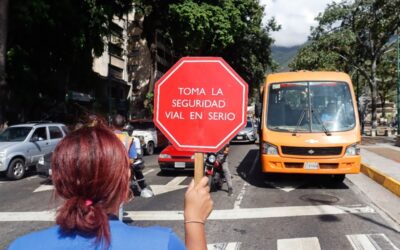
column 370, row 242
column 173, row 185
column 176, row 181
column 226, row 214
column 224, row 246
column 42, row 188
column 149, row 171
column 239, row 198
column 311, row 243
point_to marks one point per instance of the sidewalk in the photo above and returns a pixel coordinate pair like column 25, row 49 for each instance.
column 381, row 162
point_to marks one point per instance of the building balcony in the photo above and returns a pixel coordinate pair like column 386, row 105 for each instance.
column 115, row 72
column 117, row 61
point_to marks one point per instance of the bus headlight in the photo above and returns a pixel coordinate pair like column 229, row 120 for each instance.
column 269, row 149
column 353, row 149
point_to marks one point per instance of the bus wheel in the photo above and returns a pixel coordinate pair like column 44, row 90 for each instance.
column 338, row 178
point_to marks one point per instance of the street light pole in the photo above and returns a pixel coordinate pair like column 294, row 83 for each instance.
column 398, row 82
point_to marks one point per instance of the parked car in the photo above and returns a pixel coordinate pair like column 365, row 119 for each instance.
column 22, row 145
column 43, row 167
column 247, row 134
column 172, row 159
column 152, row 136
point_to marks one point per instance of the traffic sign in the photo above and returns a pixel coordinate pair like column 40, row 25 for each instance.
column 200, row 104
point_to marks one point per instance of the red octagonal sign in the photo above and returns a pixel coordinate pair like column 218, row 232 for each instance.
column 200, row 104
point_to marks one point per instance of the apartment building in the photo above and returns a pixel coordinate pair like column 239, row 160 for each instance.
column 113, row 94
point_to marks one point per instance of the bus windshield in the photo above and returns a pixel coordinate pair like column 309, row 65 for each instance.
column 310, row 107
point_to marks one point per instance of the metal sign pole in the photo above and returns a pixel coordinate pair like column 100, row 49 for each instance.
column 198, row 167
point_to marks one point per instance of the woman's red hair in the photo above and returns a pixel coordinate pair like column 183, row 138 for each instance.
column 90, row 165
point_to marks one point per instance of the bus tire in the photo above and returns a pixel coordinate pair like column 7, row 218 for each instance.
column 338, row 178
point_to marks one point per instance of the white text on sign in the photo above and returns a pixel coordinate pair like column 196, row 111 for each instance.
column 188, row 102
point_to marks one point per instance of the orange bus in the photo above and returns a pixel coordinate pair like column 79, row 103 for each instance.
column 309, row 124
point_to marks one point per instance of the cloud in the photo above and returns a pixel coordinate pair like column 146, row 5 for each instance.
column 295, row 18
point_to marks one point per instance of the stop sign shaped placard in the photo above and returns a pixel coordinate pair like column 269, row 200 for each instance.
column 200, row 104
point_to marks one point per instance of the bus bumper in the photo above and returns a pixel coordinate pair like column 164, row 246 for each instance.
column 279, row 164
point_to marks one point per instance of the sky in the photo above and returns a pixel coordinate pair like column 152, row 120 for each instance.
column 295, row 17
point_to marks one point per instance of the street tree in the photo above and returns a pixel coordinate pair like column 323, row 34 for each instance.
column 3, row 42
column 51, row 45
column 360, row 33
column 232, row 29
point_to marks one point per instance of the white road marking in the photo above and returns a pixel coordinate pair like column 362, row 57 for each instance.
column 28, row 216
column 370, row 242
column 311, row 243
column 226, row 214
column 148, row 171
column 286, row 186
column 42, row 188
column 224, row 246
column 239, row 198
column 173, row 185
column 176, row 181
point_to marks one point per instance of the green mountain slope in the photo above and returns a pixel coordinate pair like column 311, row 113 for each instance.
column 284, row 55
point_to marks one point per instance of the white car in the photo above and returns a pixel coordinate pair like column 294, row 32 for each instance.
column 247, row 134
column 146, row 130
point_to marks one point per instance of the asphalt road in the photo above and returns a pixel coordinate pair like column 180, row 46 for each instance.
column 265, row 212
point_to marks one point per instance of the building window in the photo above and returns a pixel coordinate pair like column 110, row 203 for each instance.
column 115, row 72
column 114, row 50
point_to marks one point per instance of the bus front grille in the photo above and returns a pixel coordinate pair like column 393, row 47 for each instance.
column 311, row 151
column 321, row 165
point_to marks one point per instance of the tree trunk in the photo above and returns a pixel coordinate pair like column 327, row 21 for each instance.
column 3, row 49
column 374, row 94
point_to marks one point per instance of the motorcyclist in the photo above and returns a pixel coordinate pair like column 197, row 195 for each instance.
column 222, row 157
column 133, row 147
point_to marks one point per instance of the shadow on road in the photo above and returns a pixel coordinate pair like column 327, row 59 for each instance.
column 250, row 171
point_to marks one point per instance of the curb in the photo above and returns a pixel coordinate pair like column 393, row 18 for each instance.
column 388, row 182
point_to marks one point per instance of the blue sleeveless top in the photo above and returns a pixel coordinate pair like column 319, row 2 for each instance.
column 122, row 237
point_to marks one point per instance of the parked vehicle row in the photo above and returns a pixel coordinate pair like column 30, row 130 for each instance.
column 26, row 145
column 21, row 146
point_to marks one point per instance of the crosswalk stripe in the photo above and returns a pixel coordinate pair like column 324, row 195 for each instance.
column 176, row 181
column 311, row 243
column 224, row 246
column 42, row 188
column 370, row 242
column 148, row 171
column 224, row 214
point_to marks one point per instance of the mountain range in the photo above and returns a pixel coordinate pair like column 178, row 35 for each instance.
column 284, row 55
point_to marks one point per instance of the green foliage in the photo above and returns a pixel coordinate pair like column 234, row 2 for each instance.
column 354, row 37
column 231, row 29
column 51, row 46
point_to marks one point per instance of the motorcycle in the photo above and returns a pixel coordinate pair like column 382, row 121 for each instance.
column 146, row 192
column 213, row 170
